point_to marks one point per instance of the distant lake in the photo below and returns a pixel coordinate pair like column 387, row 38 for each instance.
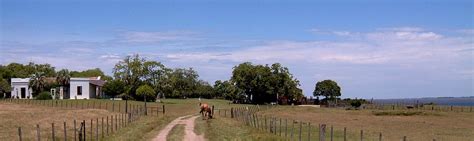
column 455, row 101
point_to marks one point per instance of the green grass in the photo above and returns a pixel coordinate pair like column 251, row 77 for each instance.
column 219, row 129
column 176, row 134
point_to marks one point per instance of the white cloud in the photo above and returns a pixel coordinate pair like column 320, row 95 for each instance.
column 150, row 37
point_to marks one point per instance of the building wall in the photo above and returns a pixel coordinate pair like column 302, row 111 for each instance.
column 92, row 91
column 17, row 84
column 85, row 88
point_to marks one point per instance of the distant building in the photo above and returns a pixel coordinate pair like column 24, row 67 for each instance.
column 85, row 88
column 79, row 88
column 21, row 90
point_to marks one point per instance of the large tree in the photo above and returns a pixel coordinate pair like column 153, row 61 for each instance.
column 63, row 78
column 4, row 87
column 114, row 87
column 227, row 90
column 131, row 71
column 37, row 83
column 327, row 88
column 263, row 84
column 183, row 82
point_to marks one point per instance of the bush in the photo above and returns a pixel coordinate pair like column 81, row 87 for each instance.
column 44, row 96
column 356, row 103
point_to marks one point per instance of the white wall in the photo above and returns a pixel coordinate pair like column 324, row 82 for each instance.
column 17, row 84
column 84, row 82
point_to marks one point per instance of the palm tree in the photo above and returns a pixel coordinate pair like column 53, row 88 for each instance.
column 63, row 77
column 37, row 82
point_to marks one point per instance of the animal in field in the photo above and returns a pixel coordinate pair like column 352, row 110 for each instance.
column 206, row 111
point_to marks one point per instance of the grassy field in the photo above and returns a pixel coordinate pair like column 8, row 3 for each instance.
column 27, row 117
column 394, row 124
column 416, row 125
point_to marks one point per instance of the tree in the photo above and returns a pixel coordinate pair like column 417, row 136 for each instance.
column 146, row 90
column 37, row 82
column 114, row 87
column 227, row 90
column 4, row 87
column 263, row 84
column 63, row 78
column 327, row 88
column 130, row 70
column 183, row 82
column 91, row 73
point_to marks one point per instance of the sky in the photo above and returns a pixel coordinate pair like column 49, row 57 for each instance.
column 372, row 49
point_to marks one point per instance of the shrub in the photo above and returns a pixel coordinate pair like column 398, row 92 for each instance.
column 44, row 96
column 356, row 103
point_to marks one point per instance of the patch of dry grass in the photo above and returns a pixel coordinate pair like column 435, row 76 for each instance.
column 427, row 126
column 28, row 116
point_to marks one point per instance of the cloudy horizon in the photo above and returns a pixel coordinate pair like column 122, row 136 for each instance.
column 425, row 50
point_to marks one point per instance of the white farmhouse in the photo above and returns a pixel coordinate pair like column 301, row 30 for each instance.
column 84, row 88
column 79, row 88
column 21, row 90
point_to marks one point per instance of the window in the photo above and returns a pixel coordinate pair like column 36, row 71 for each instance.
column 79, row 90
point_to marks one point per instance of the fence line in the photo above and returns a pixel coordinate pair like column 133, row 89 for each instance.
column 122, row 120
column 302, row 131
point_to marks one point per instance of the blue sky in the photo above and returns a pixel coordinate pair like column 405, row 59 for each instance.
column 373, row 49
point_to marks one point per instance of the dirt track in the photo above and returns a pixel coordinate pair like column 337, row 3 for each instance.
column 189, row 134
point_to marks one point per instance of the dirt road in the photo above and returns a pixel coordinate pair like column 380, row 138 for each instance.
column 188, row 122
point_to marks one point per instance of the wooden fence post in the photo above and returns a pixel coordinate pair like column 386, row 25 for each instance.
column 38, row 136
column 92, row 128
column 116, row 120
column 322, row 132
column 102, row 127
column 292, row 129
column 97, row 129
column 309, row 131
column 52, row 131
column 19, row 133
column 65, row 132
column 301, row 128
column 84, row 131
column 380, row 136
column 75, row 130
column 345, row 131
column 163, row 109
column 332, row 133
column 404, row 138
column 286, row 128
column 107, row 125
column 361, row 135
column 280, row 127
column 266, row 127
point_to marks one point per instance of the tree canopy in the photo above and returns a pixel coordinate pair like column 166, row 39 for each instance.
column 114, row 87
column 327, row 88
column 145, row 90
column 135, row 71
column 263, row 84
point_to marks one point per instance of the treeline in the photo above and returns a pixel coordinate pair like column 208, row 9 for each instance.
column 135, row 76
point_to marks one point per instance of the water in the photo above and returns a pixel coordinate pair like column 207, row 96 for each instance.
column 455, row 101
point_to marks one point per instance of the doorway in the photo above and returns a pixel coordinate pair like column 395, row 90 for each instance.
column 23, row 93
